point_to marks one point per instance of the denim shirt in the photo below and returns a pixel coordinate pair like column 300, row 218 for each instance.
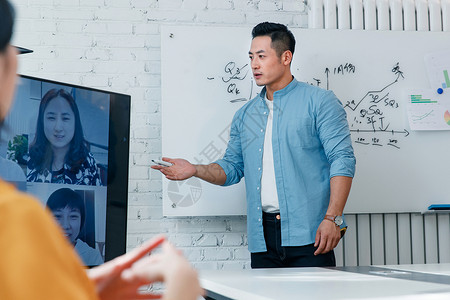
column 311, row 144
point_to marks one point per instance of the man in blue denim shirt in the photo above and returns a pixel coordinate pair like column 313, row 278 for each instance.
column 292, row 143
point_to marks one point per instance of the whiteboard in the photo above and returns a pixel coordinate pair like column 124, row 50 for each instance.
column 206, row 78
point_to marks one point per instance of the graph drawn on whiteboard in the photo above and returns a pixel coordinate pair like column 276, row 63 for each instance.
column 370, row 114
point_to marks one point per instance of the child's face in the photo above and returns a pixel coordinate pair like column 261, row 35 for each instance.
column 70, row 221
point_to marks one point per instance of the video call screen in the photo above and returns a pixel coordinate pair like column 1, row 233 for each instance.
column 54, row 145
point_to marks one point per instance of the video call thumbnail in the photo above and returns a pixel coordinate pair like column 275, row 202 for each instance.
column 54, row 145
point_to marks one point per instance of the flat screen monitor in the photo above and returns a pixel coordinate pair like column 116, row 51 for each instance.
column 69, row 146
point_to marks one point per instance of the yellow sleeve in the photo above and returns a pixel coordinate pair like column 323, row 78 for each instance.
column 36, row 260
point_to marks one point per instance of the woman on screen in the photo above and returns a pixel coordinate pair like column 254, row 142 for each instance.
column 59, row 152
column 69, row 211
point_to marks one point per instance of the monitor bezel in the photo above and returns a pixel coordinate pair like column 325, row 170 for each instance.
column 118, row 168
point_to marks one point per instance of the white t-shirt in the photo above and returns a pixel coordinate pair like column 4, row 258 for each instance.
column 269, row 196
column 10, row 171
column 90, row 256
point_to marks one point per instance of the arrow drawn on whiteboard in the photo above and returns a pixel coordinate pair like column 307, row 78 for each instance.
column 405, row 132
column 327, row 72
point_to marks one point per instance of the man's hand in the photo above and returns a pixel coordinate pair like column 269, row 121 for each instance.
column 327, row 237
column 181, row 169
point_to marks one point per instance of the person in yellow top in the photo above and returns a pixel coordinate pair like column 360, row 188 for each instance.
column 37, row 262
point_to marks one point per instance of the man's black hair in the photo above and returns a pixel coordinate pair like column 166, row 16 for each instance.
column 282, row 37
column 6, row 23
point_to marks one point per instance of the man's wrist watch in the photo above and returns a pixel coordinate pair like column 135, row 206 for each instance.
column 337, row 220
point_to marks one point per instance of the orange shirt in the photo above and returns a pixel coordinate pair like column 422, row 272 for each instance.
column 36, row 261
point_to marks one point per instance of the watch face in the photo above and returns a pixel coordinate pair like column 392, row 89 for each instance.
column 338, row 220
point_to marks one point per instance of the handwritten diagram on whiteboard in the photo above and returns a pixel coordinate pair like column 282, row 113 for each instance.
column 205, row 81
column 372, row 111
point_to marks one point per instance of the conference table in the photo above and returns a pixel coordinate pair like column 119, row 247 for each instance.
column 399, row 282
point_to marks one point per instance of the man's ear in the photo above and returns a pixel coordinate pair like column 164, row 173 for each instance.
column 11, row 60
column 286, row 57
column 8, row 76
column 3, row 72
column 8, row 66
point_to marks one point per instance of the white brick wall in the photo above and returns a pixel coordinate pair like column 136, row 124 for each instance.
column 115, row 45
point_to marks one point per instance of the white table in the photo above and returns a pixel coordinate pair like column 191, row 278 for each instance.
column 439, row 269
column 382, row 282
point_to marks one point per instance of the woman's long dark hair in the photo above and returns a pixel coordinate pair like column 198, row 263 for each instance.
column 41, row 153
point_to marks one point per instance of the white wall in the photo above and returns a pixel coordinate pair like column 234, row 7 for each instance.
column 115, row 45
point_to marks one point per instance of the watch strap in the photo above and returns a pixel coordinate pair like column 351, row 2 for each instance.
column 330, row 218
